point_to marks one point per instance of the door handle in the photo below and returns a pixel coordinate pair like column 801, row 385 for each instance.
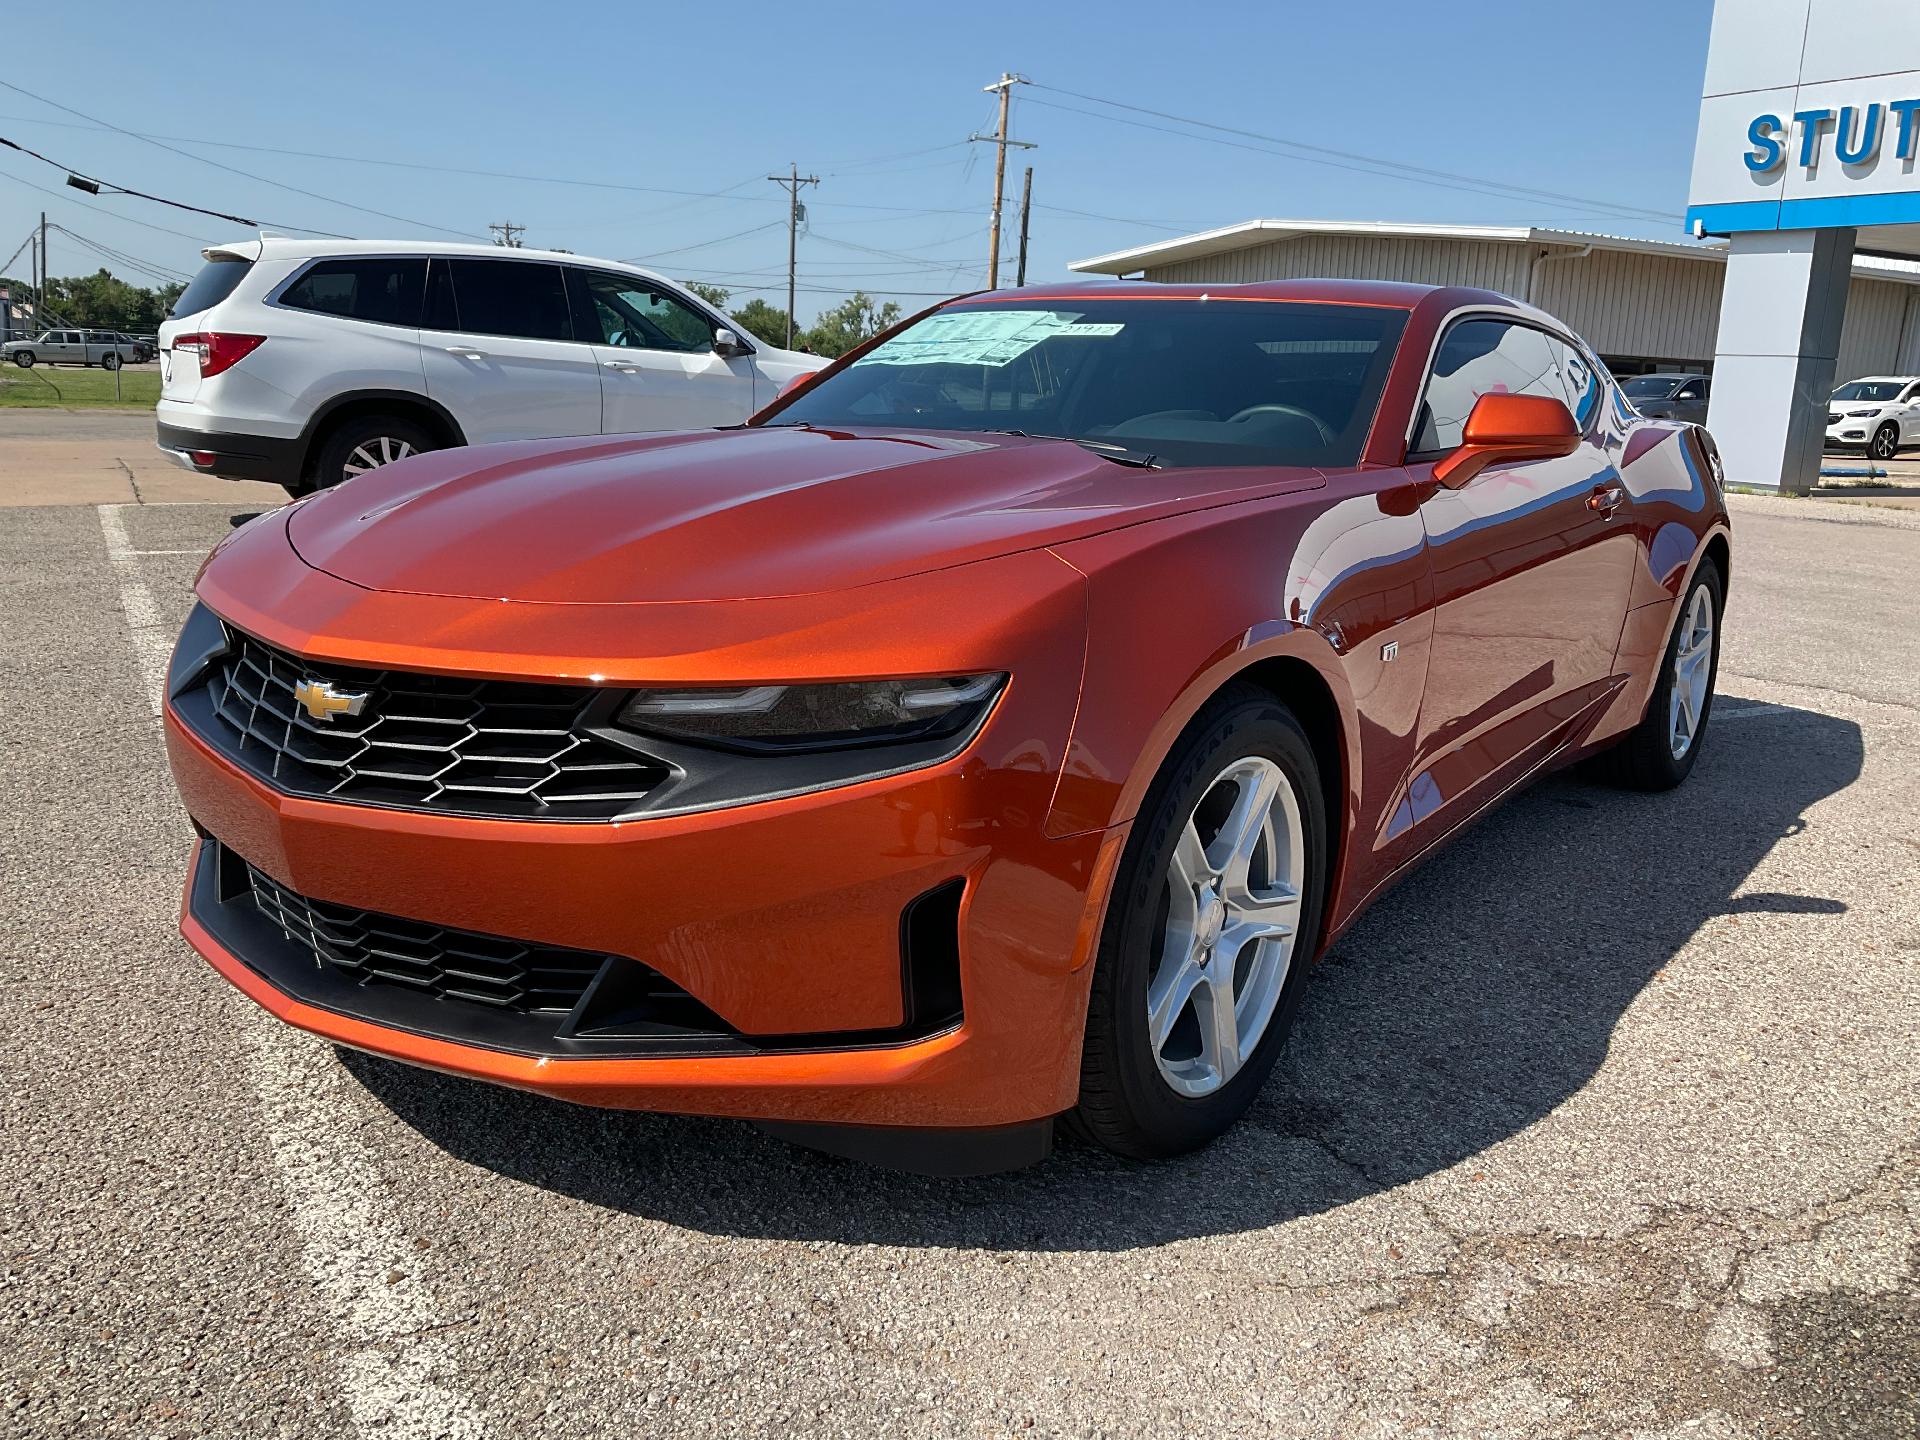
column 1605, row 499
column 466, row 352
column 625, row 367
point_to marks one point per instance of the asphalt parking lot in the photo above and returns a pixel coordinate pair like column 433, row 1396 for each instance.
column 1604, row 1123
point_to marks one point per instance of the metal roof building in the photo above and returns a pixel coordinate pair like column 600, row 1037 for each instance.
column 1643, row 304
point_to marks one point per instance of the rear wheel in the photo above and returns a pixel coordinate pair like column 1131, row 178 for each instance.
column 1213, row 915
column 365, row 443
column 24, row 359
column 1659, row 752
column 1885, row 443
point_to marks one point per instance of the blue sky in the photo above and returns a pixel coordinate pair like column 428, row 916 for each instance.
column 1595, row 103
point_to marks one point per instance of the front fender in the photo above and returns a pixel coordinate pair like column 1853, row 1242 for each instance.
column 1175, row 611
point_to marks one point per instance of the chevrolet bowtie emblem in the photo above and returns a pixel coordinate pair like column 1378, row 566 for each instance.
column 323, row 702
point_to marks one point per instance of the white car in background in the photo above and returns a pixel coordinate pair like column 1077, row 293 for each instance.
column 1879, row 415
column 307, row 362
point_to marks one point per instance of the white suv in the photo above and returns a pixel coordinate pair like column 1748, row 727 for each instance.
column 307, row 362
column 1879, row 414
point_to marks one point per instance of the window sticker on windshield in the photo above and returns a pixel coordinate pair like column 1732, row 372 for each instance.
column 980, row 337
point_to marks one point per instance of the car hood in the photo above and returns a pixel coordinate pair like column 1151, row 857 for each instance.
column 728, row 515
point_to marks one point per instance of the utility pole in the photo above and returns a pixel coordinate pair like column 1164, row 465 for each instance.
column 40, row 300
column 1026, row 208
column 999, row 140
column 791, row 183
column 505, row 232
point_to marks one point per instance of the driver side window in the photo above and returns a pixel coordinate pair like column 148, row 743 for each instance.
column 630, row 314
column 1483, row 357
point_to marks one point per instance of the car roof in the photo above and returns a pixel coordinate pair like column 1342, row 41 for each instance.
column 1392, row 294
column 1880, row 380
column 281, row 247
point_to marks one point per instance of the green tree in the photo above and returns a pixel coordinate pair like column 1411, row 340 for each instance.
column 102, row 301
column 712, row 294
column 849, row 323
column 764, row 321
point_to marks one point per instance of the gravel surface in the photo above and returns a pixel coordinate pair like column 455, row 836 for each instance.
column 1603, row 1123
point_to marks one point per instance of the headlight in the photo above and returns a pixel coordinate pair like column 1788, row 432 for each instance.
column 1862, row 414
column 765, row 719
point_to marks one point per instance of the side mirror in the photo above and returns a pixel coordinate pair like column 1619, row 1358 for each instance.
column 727, row 345
column 1509, row 427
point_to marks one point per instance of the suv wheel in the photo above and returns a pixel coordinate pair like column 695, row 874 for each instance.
column 1885, row 443
column 110, row 360
column 23, row 358
column 366, row 443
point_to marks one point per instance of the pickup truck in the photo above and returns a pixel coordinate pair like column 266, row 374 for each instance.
column 74, row 347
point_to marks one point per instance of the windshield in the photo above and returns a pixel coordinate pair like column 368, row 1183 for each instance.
column 1189, row 382
column 1880, row 390
column 1648, row 387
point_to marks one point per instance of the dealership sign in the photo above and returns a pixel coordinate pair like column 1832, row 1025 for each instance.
column 1851, row 137
column 1793, row 136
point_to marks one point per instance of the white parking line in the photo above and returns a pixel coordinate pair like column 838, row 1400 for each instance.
column 391, row 1363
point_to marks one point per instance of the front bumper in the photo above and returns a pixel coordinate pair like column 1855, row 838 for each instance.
column 783, row 917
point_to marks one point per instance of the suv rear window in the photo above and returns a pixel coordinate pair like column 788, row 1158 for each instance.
column 215, row 282
column 386, row 291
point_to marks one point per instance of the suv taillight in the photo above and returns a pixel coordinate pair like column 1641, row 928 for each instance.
column 217, row 349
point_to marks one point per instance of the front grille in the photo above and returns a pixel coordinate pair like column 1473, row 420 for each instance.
column 377, row 949
column 425, row 742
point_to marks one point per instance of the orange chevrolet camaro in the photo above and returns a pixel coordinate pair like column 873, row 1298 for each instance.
column 989, row 733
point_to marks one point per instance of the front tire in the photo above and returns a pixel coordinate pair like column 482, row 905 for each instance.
column 1885, row 443
column 365, row 443
column 110, row 360
column 24, row 359
column 1214, row 914
column 1660, row 752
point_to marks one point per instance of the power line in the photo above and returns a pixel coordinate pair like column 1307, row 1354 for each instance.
column 128, row 219
column 1325, row 155
column 244, row 174
column 120, row 257
column 726, row 194
column 92, row 185
column 699, row 245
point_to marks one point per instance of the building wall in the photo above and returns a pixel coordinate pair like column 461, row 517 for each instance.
column 1624, row 303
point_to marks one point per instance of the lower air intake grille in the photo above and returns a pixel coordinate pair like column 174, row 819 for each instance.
column 464, row 965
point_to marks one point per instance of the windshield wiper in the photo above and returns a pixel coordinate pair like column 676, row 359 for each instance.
column 1118, row 454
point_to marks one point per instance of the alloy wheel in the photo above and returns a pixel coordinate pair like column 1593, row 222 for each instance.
column 1230, row 914
column 372, row 454
column 1692, row 672
column 1886, row 443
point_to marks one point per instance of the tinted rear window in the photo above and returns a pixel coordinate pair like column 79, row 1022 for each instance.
column 524, row 298
column 385, row 291
column 215, row 282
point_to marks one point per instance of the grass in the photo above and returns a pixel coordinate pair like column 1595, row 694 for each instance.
column 64, row 387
